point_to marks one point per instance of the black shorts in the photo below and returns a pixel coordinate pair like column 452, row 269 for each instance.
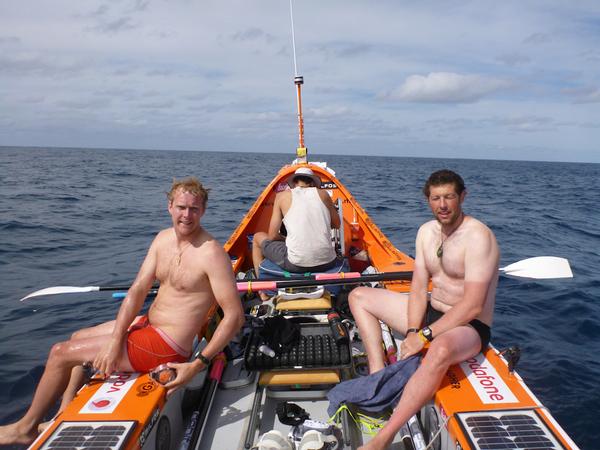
column 276, row 251
column 484, row 331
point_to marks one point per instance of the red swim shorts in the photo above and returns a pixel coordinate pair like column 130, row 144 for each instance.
column 149, row 347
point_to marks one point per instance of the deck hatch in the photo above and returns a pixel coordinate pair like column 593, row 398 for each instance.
column 90, row 435
column 507, row 429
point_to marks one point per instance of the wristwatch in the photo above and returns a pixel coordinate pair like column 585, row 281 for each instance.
column 204, row 359
column 426, row 333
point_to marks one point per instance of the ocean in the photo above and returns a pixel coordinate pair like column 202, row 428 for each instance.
column 86, row 217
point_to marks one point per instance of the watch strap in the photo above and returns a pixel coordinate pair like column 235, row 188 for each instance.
column 423, row 337
column 203, row 358
column 412, row 330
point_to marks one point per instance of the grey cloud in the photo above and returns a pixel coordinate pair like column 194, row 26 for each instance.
column 99, row 12
column 140, row 5
column 538, row 38
column 252, row 34
column 583, row 95
column 157, row 104
column 528, row 123
column 9, row 40
column 115, row 26
column 591, row 55
column 344, row 49
column 514, row 59
column 23, row 65
column 33, row 100
column 514, row 124
column 91, row 104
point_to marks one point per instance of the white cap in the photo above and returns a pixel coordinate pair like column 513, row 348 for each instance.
column 304, row 172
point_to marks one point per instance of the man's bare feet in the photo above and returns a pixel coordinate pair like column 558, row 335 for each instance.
column 43, row 426
column 15, row 434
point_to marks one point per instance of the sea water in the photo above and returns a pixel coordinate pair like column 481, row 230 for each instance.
column 87, row 216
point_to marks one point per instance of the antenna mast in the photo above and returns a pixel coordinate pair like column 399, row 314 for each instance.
column 301, row 151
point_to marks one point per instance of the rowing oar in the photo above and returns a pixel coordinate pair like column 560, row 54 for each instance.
column 253, row 285
column 319, row 280
column 539, row 267
column 195, row 429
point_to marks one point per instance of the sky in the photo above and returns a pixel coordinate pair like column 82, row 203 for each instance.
column 484, row 79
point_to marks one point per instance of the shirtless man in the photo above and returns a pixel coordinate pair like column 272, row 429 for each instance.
column 309, row 215
column 461, row 256
column 194, row 272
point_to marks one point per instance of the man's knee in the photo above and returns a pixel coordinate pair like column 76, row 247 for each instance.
column 439, row 354
column 58, row 352
column 258, row 238
column 79, row 334
column 358, row 297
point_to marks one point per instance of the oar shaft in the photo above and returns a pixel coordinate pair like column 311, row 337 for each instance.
column 113, row 288
column 263, row 285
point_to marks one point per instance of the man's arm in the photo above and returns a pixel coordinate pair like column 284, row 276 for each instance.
column 107, row 359
column 417, row 301
column 333, row 212
column 276, row 220
column 223, row 286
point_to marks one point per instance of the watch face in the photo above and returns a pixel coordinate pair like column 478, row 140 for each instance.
column 427, row 332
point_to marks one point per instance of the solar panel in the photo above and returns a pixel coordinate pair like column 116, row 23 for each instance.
column 507, row 429
column 106, row 435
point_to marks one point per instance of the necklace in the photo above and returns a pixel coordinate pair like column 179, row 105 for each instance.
column 440, row 250
column 178, row 258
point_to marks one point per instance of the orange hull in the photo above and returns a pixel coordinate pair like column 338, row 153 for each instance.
column 358, row 230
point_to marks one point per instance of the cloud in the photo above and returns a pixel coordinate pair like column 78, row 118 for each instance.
column 583, row 95
column 344, row 49
column 514, row 59
column 538, row 38
column 115, row 26
column 9, row 40
column 252, row 34
column 31, row 64
column 445, row 87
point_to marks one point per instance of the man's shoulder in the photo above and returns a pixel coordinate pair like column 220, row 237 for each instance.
column 208, row 246
column 164, row 235
column 477, row 226
column 283, row 194
column 429, row 227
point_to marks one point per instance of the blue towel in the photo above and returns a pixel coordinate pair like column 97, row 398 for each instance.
column 375, row 392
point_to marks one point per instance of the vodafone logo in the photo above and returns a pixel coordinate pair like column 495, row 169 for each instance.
column 100, row 404
column 108, row 397
column 488, row 384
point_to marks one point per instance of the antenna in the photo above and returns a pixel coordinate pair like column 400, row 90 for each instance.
column 301, row 151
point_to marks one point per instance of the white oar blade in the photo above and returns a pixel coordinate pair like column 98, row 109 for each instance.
column 540, row 267
column 61, row 290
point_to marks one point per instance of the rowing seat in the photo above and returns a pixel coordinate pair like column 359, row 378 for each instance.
column 303, row 304
column 299, row 377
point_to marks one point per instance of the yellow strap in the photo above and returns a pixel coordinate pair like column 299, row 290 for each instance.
column 424, row 339
column 368, row 425
column 249, row 287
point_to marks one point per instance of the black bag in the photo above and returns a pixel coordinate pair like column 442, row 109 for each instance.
column 280, row 334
